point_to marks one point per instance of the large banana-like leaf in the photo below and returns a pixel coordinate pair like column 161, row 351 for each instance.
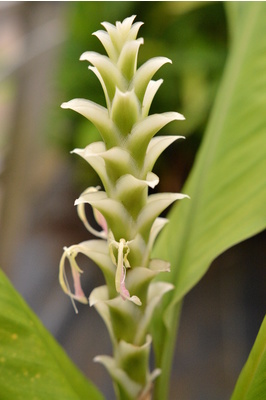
column 227, row 185
column 251, row 384
column 32, row 365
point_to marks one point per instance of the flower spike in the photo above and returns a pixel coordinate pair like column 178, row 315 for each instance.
column 127, row 214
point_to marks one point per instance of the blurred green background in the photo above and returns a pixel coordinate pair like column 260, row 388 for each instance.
column 40, row 46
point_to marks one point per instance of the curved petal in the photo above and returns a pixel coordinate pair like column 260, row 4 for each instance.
column 127, row 62
column 98, row 299
column 118, row 219
column 124, row 27
column 144, row 130
column 126, row 387
column 132, row 34
column 155, row 205
column 82, row 215
column 155, row 148
column 155, row 293
column 98, row 115
column 97, row 251
column 150, row 92
column 157, row 265
column 145, row 73
column 152, row 180
column 70, row 254
column 122, row 31
column 109, row 72
column 156, row 228
column 99, row 76
column 107, row 44
column 113, row 34
column 93, row 155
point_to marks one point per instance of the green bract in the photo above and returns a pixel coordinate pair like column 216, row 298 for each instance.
column 129, row 217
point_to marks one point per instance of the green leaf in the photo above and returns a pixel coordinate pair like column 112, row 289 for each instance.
column 227, row 185
column 32, row 365
column 251, row 384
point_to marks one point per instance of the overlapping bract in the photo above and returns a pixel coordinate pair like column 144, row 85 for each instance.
column 129, row 217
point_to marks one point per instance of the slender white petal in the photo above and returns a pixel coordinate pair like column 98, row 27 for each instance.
column 156, row 228
column 132, row 34
column 99, row 76
column 70, row 254
column 107, row 44
column 93, row 155
column 97, row 251
column 155, row 205
column 112, row 210
column 156, row 291
column 129, row 387
column 156, row 146
column 143, row 131
column 98, row 294
column 98, row 115
column 124, row 27
column 145, row 73
column 127, row 62
column 152, row 180
column 158, row 265
column 116, row 39
column 98, row 298
column 109, row 72
column 151, row 91
column 82, row 215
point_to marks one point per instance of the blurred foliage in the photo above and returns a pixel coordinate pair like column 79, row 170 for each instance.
column 192, row 34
